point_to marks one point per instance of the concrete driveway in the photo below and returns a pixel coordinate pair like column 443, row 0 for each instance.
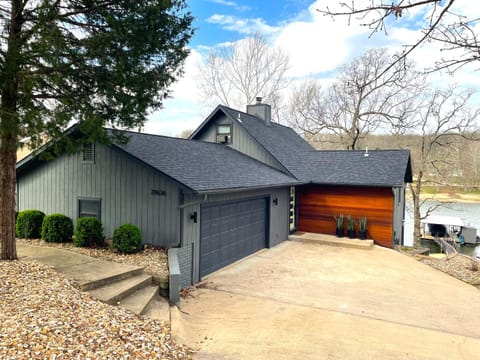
column 310, row 301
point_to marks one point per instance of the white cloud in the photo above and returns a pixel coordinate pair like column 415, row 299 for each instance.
column 232, row 4
column 245, row 26
column 317, row 46
column 184, row 110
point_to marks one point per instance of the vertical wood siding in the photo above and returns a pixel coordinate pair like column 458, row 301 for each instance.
column 241, row 141
column 121, row 183
column 317, row 205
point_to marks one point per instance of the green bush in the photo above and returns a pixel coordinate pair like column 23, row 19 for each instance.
column 89, row 232
column 29, row 224
column 57, row 228
column 127, row 239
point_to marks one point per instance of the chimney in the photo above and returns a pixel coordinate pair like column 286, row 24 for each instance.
column 262, row 111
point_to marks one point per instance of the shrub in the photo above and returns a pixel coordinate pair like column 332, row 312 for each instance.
column 29, row 224
column 127, row 239
column 57, row 228
column 89, row 232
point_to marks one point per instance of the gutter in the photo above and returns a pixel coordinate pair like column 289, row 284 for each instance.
column 227, row 190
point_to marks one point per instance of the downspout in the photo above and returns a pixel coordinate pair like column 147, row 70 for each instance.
column 173, row 255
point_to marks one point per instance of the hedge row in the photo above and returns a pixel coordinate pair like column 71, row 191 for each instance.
column 58, row 228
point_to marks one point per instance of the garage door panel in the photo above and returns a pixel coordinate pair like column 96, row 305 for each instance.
column 229, row 232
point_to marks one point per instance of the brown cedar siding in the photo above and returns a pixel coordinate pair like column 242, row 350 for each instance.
column 318, row 204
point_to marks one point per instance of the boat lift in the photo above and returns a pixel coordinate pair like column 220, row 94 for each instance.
column 449, row 232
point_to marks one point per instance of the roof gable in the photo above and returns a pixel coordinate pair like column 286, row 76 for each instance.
column 300, row 159
column 196, row 165
column 203, row 166
column 282, row 143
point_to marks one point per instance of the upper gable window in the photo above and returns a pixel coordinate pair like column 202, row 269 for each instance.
column 224, row 134
column 88, row 152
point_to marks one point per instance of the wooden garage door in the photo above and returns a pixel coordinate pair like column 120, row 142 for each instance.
column 317, row 205
column 229, row 232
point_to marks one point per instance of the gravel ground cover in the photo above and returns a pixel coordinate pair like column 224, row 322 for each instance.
column 43, row 316
column 459, row 266
column 153, row 260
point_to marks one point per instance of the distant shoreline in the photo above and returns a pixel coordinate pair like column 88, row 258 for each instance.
column 453, row 197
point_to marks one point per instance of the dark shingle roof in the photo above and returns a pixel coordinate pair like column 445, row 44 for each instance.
column 380, row 168
column 282, row 142
column 203, row 166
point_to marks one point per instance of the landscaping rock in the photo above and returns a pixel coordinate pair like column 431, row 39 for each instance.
column 44, row 317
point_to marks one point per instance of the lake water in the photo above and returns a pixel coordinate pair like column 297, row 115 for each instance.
column 469, row 212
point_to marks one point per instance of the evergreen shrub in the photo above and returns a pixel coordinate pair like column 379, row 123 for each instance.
column 89, row 232
column 127, row 239
column 57, row 228
column 29, row 224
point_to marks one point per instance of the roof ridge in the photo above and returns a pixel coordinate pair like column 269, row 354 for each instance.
column 358, row 150
column 166, row 137
column 256, row 160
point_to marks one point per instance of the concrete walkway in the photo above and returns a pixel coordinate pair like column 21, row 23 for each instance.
column 108, row 281
column 304, row 300
column 81, row 269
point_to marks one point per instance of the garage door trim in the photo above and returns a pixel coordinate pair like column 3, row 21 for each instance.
column 230, row 252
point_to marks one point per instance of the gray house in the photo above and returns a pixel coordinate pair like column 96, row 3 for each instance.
column 240, row 184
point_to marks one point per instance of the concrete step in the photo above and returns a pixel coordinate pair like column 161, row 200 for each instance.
column 104, row 273
column 331, row 240
column 140, row 300
column 158, row 309
column 116, row 291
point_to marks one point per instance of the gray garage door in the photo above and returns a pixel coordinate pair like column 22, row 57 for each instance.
column 229, row 232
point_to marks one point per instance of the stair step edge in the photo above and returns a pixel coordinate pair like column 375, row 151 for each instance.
column 97, row 283
column 116, row 291
column 139, row 301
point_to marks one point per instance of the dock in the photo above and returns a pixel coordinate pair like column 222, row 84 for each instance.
column 445, row 246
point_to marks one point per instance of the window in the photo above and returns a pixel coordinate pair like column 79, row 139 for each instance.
column 89, row 152
column 89, row 207
column 224, row 134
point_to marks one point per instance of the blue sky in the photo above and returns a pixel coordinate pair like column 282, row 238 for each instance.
column 316, row 45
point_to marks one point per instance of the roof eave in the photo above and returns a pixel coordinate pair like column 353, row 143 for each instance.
column 389, row 185
column 35, row 154
column 241, row 189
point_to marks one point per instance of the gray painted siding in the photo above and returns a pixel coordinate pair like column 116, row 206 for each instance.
column 398, row 214
column 278, row 224
column 123, row 185
column 185, row 257
column 241, row 141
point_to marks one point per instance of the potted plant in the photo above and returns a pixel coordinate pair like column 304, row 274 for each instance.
column 362, row 228
column 350, row 227
column 339, row 225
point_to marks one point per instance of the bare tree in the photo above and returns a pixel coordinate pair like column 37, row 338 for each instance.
column 443, row 23
column 363, row 99
column 185, row 134
column 442, row 119
column 236, row 74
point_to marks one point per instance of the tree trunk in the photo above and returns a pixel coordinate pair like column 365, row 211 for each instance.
column 9, row 132
column 7, row 201
column 415, row 190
